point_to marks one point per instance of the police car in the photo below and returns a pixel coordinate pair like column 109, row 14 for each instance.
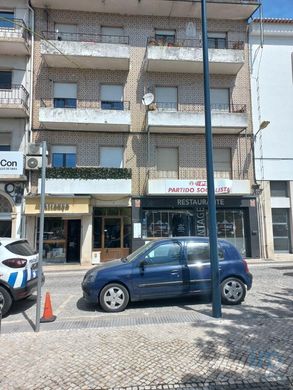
column 18, row 271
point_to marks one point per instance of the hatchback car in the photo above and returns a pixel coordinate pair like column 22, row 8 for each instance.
column 167, row 268
column 18, row 271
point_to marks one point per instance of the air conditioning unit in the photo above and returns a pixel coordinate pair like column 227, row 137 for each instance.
column 33, row 162
column 34, row 149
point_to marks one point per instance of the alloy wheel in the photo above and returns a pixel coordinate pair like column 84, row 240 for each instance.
column 114, row 298
column 233, row 291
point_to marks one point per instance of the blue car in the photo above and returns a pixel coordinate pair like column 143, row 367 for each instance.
column 166, row 268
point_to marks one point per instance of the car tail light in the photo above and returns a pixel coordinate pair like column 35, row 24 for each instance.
column 15, row 263
column 245, row 266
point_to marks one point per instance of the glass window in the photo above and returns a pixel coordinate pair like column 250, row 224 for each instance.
column 65, row 31
column 112, row 97
column 63, row 156
column 22, row 248
column 4, row 148
column 112, row 34
column 222, row 163
column 165, row 254
column 166, row 98
column 65, row 95
column 6, row 19
column 281, row 230
column 279, row 189
column 111, row 157
column 200, row 252
column 5, row 228
column 167, row 162
column 217, row 40
column 5, row 206
column 5, row 79
column 165, row 36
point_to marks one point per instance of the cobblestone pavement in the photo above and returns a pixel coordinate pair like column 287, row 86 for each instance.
column 203, row 355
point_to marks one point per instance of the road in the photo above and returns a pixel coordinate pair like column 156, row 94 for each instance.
column 271, row 296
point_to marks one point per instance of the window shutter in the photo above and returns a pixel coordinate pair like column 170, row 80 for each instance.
column 65, row 90
column 63, row 149
column 66, row 28
column 111, row 157
column 112, row 93
column 166, row 94
column 222, row 162
column 5, row 138
column 118, row 31
column 167, row 162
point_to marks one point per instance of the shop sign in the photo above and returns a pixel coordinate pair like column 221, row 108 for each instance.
column 11, row 163
column 189, row 187
column 58, row 206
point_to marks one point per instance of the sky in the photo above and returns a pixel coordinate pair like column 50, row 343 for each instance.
column 278, row 8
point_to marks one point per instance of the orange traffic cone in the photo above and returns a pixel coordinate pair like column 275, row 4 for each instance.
column 48, row 313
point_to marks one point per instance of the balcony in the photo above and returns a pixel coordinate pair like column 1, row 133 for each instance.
column 14, row 102
column 216, row 9
column 93, row 181
column 89, row 115
column 189, row 119
column 185, row 56
column 14, row 38
column 87, row 51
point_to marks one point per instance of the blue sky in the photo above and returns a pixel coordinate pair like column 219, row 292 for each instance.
column 278, row 8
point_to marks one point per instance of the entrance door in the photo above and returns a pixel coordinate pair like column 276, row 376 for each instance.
column 281, row 230
column 112, row 228
column 73, row 241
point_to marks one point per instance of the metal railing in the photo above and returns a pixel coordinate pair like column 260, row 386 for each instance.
column 85, row 103
column 15, row 95
column 198, row 107
column 15, row 28
column 196, row 43
column 85, row 37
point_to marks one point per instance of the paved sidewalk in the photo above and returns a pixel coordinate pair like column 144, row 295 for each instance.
column 218, row 355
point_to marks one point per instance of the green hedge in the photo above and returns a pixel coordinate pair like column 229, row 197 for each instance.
column 87, row 173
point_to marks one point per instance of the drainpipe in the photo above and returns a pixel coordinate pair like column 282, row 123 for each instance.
column 31, row 71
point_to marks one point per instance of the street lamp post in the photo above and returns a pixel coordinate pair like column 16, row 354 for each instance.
column 216, row 293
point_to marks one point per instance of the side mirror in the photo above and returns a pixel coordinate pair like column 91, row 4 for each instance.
column 142, row 265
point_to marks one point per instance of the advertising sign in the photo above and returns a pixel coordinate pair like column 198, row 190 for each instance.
column 190, row 187
column 11, row 163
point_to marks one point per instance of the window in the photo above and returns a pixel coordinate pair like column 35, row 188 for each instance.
column 65, row 31
column 165, row 36
column 166, row 98
column 222, row 163
column 167, row 162
column 217, row 40
column 111, row 157
column 65, row 95
column 281, row 230
column 63, row 156
column 4, row 23
column 112, row 97
column 165, row 254
column 220, row 99
column 112, row 34
column 279, row 189
column 5, row 79
column 5, row 139
column 200, row 251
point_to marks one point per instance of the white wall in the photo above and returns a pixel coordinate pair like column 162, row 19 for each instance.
column 272, row 65
column 17, row 129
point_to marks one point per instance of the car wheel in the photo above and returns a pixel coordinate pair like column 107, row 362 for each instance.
column 114, row 298
column 233, row 291
column 5, row 301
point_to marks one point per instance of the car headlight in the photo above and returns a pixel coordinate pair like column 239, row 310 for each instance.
column 90, row 277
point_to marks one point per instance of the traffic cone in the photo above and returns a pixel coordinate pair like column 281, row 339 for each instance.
column 48, row 315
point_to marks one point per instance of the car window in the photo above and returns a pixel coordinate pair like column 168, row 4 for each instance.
column 200, row 252
column 164, row 254
column 20, row 248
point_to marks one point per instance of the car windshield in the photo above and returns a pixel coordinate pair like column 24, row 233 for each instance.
column 139, row 251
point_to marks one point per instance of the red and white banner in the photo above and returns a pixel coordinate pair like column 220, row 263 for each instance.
column 190, row 187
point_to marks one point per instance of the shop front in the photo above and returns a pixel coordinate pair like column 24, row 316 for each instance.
column 66, row 224
column 181, row 215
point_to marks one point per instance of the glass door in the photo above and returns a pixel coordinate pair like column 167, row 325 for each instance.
column 281, row 230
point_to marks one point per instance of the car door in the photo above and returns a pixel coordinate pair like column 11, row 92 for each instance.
column 198, row 263
column 159, row 272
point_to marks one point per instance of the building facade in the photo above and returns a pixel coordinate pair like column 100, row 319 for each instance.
column 118, row 97
column 15, row 81
column 271, row 46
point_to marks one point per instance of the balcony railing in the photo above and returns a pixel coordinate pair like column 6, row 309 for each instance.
column 196, row 43
column 14, row 28
column 198, row 107
column 84, row 37
column 85, row 103
column 16, row 95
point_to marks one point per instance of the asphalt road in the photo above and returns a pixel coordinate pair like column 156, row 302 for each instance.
column 271, row 296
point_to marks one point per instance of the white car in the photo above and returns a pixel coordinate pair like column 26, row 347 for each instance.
column 18, row 271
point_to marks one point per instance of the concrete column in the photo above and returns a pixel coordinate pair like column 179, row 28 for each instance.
column 267, row 221
column 86, row 239
column 290, row 184
column 30, row 230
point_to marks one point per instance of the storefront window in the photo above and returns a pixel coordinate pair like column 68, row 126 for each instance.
column 5, row 217
column 54, row 249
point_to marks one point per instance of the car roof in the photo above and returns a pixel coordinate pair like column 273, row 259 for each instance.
column 6, row 240
column 191, row 238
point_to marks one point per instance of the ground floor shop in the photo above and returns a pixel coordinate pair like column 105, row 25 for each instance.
column 11, row 210
column 159, row 217
column 80, row 229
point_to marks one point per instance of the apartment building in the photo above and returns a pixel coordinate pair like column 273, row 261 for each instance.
column 15, row 79
column 271, row 45
column 118, row 90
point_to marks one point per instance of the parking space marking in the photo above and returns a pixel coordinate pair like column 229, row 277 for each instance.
column 62, row 306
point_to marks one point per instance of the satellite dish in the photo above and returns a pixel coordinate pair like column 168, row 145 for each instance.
column 147, row 99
